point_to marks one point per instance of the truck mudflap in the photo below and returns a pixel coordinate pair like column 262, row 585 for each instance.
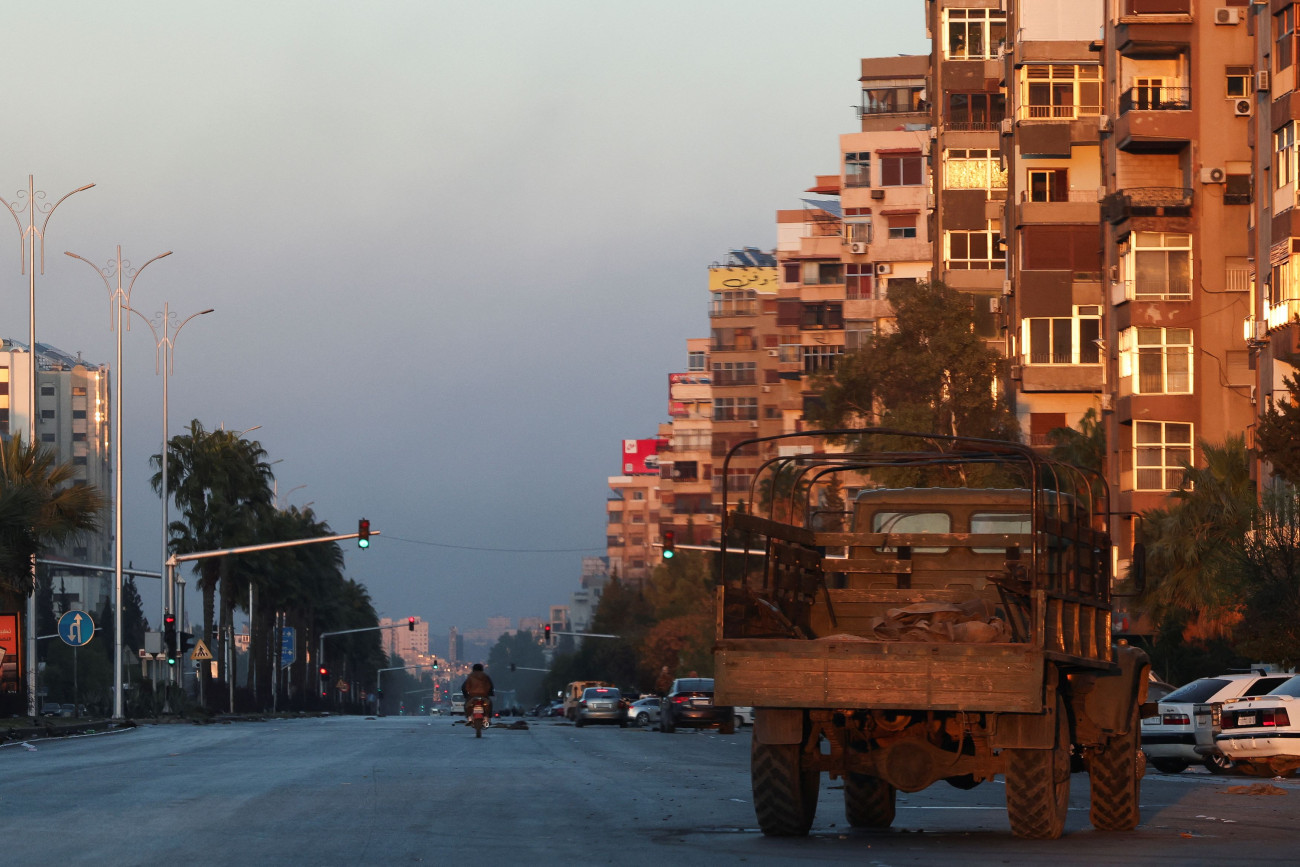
column 831, row 674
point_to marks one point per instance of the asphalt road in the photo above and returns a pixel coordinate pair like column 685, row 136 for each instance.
column 408, row 790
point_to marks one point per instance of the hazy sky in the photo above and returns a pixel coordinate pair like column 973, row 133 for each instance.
column 454, row 249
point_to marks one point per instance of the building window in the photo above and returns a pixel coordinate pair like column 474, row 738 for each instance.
column 47, row 415
column 975, row 111
column 735, row 409
column 1161, row 357
column 857, row 169
column 823, row 273
column 893, row 100
column 1284, row 37
column 1284, row 154
column 858, row 333
column 47, row 438
column 47, row 389
column 821, row 315
column 79, row 413
column 821, row 359
column 1239, row 81
column 1062, row 90
column 902, row 170
column 1162, row 265
column 616, row 517
column 857, row 281
column 734, row 373
column 973, row 169
column 974, row 34
column 1049, row 185
column 79, row 436
column 737, row 302
column 858, row 230
column 1161, row 449
column 979, row 250
column 1064, row 340
column 695, row 361
column 902, row 226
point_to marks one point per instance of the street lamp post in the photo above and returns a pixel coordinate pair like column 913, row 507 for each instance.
column 29, row 234
column 119, row 299
column 165, row 330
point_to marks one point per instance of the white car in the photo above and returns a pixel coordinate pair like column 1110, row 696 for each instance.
column 744, row 716
column 1262, row 734
column 1182, row 731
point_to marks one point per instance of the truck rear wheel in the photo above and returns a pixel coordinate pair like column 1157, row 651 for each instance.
column 785, row 793
column 1038, row 786
column 1116, row 777
column 868, row 801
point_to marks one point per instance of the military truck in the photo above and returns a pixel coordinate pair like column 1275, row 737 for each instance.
column 902, row 610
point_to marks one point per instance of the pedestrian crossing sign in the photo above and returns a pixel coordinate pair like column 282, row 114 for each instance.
column 200, row 653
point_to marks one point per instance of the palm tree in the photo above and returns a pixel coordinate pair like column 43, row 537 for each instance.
column 222, row 486
column 40, row 505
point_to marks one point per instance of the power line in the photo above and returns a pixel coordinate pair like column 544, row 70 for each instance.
column 496, row 550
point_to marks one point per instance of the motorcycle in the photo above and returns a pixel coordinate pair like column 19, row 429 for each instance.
column 476, row 713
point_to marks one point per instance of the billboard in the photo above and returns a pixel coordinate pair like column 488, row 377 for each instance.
column 763, row 281
column 10, row 653
column 641, row 457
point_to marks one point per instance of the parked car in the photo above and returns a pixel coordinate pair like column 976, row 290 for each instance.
column 690, row 703
column 1262, row 735
column 744, row 716
column 51, row 708
column 643, row 711
column 600, row 704
column 1182, row 731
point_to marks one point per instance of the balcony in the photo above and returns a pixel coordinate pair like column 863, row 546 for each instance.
column 1078, row 206
column 1147, row 202
column 1155, row 120
column 1151, row 98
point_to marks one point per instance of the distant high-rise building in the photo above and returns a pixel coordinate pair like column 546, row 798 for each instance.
column 400, row 640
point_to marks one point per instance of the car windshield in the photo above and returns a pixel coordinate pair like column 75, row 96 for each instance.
column 703, row 684
column 1197, row 690
column 1290, row 687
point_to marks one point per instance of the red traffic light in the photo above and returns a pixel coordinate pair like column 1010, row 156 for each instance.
column 410, row 624
column 324, row 672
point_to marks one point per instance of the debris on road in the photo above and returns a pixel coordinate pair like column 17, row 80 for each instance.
column 1255, row 789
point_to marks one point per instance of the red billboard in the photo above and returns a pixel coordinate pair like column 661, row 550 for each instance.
column 10, row 653
column 641, row 457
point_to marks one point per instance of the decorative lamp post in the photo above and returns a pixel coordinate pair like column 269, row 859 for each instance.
column 27, row 246
column 119, row 299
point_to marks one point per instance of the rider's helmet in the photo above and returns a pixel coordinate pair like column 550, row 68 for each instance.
column 478, row 666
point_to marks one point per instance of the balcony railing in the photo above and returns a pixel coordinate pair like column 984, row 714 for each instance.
column 1147, row 202
column 1151, row 98
column 992, row 125
column 1089, row 195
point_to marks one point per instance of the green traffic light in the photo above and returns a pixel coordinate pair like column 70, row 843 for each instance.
column 668, row 555
column 363, row 543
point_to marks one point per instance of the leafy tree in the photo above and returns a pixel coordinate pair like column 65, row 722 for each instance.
column 40, row 506
column 134, row 622
column 222, row 486
column 932, row 375
column 1193, row 564
column 1270, row 554
column 1277, row 433
column 1085, row 447
column 523, row 650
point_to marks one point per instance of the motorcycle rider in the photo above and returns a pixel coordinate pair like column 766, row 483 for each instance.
column 478, row 685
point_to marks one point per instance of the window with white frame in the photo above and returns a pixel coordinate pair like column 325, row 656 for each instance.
column 973, row 169
column 858, row 230
column 1161, row 265
column 1160, row 359
column 1064, row 339
column 1161, row 449
column 1284, row 155
column 696, row 361
column 1062, row 90
column 821, row 359
column 977, row 250
column 1049, row 185
column 858, row 333
column 1239, row 81
column 974, row 34
column 857, row 169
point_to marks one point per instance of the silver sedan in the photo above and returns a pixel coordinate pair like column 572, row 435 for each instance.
column 643, row 712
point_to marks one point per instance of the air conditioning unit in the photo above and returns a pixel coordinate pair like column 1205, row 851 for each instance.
column 884, row 268
column 772, row 353
column 1242, row 107
column 1214, row 175
column 767, row 389
column 858, row 247
column 1008, row 125
column 995, row 304
column 1261, row 80
column 1017, row 371
column 877, row 194
column 1103, row 122
column 753, row 424
column 1226, row 15
column 1106, row 403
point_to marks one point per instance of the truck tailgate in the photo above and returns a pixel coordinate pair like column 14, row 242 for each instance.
column 783, row 672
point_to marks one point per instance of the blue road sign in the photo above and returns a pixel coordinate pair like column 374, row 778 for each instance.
column 76, row 628
column 288, row 646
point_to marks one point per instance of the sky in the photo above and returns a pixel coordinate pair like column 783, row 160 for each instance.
column 454, row 249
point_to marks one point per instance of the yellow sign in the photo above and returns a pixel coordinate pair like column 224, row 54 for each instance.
column 200, row 653
column 762, row 281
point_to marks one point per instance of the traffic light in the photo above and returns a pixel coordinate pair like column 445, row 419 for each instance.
column 169, row 637
column 363, row 535
column 547, row 628
column 670, row 542
column 512, row 666
column 410, row 624
column 324, row 681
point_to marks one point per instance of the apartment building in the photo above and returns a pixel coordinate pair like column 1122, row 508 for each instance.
column 686, row 463
column 412, row 645
column 632, row 510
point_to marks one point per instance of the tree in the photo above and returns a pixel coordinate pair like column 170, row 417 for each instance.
column 1193, row 561
column 1277, row 433
column 41, row 504
column 1085, row 447
column 222, row 486
column 932, row 375
column 1270, row 554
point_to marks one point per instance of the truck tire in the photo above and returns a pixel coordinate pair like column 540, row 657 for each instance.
column 868, row 802
column 1169, row 766
column 785, row 794
column 1038, row 786
column 1116, row 777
